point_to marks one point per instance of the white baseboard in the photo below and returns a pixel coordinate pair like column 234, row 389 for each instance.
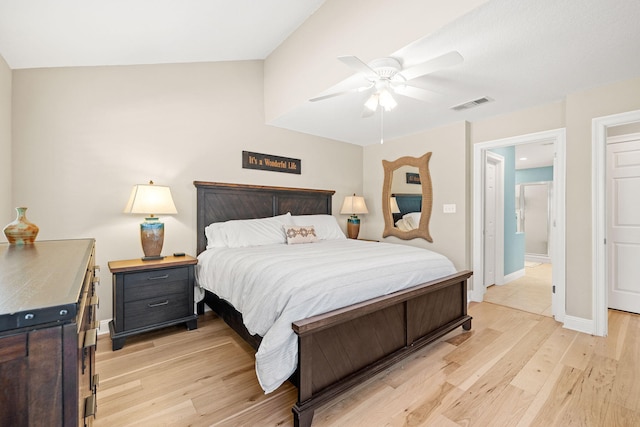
column 104, row 327
column 579, row 324
column 513, row 276
column 538, row 258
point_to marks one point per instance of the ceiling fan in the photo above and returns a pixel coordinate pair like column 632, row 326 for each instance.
column 386, row 76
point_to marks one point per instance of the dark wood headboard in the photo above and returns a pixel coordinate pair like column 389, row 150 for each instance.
column 218, row 202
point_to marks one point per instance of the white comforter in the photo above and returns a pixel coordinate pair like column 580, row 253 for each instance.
column 275, row 285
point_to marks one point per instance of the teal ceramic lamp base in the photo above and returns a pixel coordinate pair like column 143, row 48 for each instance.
column 152, row 238
column 353, row 227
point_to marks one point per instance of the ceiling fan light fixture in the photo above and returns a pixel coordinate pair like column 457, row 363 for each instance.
column 386, row 100
column 372, row 102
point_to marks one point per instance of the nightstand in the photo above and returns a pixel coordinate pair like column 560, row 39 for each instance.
column 149, row 295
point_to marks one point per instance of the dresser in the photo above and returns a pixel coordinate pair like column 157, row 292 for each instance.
column 149, row 295
column 48, row 333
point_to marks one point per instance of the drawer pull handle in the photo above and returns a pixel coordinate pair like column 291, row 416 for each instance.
column 90, row 340
column 158, row 304
column 158, row 277
column 90, row 407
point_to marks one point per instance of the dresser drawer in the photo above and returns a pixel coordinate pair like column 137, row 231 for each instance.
column 152, row 311
column 149, row 284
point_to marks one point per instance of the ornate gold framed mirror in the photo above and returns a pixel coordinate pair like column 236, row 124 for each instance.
column 407, row 188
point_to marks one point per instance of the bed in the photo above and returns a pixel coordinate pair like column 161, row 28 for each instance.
column 341, row 348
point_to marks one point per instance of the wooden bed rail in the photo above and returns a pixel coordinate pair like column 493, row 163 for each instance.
column 345, row 314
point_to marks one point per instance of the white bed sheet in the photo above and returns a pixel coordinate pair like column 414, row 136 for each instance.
column 275, row 285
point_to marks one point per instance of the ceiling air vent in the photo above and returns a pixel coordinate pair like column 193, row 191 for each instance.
column 472, row 104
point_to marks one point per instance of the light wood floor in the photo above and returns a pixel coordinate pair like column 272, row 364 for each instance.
column 532, row 292
column 513, row 368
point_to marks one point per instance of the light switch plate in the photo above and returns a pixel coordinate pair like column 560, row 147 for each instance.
column 450, row 208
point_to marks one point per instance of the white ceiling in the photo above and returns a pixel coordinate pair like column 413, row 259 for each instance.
column 66, row 33
column 520, row 53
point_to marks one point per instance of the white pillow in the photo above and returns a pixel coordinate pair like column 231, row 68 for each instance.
column 413, row 219
column 247, row 232
column 216, row 237
column 326, row 226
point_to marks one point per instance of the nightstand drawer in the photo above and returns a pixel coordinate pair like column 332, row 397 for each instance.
column 150, row 290
column 151, row 311
column 156, row 276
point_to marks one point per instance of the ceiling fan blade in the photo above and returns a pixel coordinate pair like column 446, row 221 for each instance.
column 367, row 112
column 357, row 64
column 418, row 93
column 342, row 92
column 438, row 63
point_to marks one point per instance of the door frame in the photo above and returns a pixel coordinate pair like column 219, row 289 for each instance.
column 558, row 256
column 599, row 264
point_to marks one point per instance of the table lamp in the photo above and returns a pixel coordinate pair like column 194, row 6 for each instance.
column 393, row 203
column 151, row 199
column 353, row 205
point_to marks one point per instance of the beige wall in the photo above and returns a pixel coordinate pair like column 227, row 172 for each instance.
column 83, row 136
column 575, row 113
column 451, row 167
column 450, row 186
column 582, row 108
column 6, row 208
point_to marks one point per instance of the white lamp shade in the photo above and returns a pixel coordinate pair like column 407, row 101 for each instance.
column 394, row 205
column 150, row 199
column 354, row 205
column 372, row 102
column 386, row 100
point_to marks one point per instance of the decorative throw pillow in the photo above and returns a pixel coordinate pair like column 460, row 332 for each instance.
column 300, row 234
column 326, row 226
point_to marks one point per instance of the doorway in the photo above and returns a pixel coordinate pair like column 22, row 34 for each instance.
column 557, row 222
column 533, row 216
column 600, row 128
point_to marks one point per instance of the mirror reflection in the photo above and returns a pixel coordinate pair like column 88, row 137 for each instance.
column 406, row 192
column 407, row 197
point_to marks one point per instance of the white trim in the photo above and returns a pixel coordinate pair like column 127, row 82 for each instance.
column 599, row 266
column 578, row 324
column 537, row 258
column 558, row 242
column 104, row 327
column 558, row 229
column 513, row 276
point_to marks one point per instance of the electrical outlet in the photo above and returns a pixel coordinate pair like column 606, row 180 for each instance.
column 451, row 208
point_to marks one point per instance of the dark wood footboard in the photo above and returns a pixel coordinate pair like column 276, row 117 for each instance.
column 341, row 349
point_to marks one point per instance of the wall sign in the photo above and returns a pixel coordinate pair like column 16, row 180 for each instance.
column 413, row 178
column 268, row 162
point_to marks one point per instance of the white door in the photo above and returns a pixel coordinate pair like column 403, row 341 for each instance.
column 623, row 225
column 492, row 224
